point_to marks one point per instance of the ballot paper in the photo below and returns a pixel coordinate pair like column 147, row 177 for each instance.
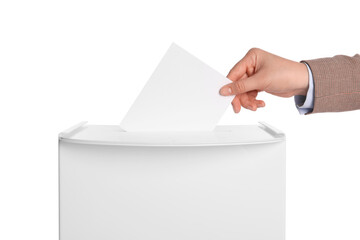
column 181, row 95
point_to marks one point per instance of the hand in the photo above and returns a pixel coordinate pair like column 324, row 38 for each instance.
column 262, row 71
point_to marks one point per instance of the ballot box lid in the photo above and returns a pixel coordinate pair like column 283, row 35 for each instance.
column 223, row 135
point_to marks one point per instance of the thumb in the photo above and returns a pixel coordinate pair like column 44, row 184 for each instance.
column 242, row 86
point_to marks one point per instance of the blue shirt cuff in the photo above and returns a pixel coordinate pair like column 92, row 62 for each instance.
column 305, row 104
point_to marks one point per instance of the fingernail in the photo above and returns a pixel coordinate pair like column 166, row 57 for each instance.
column 225, row 91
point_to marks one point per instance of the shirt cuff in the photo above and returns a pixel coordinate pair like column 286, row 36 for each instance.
column 305, row 104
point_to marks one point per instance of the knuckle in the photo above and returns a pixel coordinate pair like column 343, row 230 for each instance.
column 239, row 86
column 253, row 55
column 254, row 50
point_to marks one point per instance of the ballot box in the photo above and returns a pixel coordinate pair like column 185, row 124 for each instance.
column 223, row 184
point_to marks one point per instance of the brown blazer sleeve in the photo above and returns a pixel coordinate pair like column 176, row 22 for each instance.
column 336, row 83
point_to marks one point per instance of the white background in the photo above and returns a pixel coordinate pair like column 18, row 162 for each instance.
column 62, row 62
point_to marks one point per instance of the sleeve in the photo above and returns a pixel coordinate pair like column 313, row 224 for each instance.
column 305, row 104
column 336, row 83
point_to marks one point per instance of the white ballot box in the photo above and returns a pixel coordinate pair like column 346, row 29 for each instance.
column 220, row 185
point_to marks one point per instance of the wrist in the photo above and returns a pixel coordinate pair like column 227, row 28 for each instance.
column 302, row 79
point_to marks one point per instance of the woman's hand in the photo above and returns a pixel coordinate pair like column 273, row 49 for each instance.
column 262, row 71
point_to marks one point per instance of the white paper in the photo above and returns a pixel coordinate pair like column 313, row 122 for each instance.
column 181, row 95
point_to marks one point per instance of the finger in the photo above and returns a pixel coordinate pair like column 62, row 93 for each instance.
column 239, row 69
column 253, row 94
column 252, row 98
column 241, row 86
column 236, row 104
column 248, row 102
column 251, row 103
column 260, row 103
